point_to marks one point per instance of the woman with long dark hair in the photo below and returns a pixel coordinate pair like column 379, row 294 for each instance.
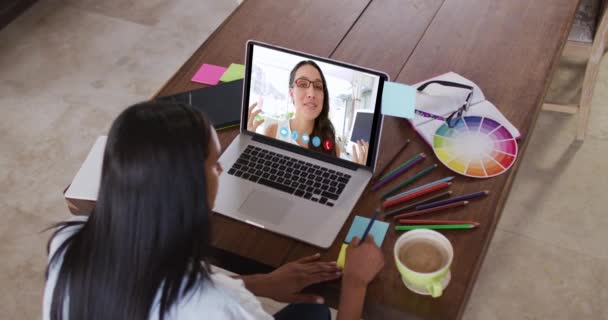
column 142, row 253
column 310, row 96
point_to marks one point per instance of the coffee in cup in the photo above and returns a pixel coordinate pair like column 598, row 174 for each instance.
column 423, row 258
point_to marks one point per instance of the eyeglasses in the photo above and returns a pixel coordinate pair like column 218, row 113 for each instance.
column 453, row 119
column 305, row 84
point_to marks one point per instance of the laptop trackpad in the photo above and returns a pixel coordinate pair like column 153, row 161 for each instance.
column 265, row 206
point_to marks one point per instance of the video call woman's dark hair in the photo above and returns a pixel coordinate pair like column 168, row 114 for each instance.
column 149, row 231
column 322, row 127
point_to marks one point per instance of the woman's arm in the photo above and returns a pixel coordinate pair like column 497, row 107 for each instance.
column 271, row 130
column 363, row 262
column 352, row 297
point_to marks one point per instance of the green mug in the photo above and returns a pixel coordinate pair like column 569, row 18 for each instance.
column 427, row 282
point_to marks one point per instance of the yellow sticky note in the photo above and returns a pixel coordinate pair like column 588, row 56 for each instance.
column 342, row 256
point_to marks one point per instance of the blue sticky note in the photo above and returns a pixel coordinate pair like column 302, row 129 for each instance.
column 398, row 100
column 359, row 225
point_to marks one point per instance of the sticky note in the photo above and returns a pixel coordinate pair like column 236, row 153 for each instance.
column 209, row 74
column 398, row 100
column 342, row 256
column 235, row 72
column 359, row 225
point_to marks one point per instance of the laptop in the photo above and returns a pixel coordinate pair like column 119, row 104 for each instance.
column 302, row 184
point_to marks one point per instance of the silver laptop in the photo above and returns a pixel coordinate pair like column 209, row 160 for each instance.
column 292, row 169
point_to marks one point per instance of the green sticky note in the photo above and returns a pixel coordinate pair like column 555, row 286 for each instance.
column 234, row 72
column 398, row 100
column 359, row 225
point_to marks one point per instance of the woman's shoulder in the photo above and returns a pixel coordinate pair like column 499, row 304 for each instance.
column 220, row 297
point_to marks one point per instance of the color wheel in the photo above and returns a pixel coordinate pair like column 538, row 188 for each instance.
column 477, row 147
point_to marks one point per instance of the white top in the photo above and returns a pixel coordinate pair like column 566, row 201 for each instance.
column 226, row 299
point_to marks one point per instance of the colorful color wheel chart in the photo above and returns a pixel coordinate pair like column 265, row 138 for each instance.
column 477, row 147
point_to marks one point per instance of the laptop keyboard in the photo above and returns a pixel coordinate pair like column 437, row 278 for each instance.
column 303, row 179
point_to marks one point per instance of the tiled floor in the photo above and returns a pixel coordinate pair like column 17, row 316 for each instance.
column 67, row 68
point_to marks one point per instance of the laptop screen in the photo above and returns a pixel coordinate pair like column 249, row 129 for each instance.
column 314, row 103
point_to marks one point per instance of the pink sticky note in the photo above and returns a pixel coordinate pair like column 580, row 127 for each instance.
column 209, row 74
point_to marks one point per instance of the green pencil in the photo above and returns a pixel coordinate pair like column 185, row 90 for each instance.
column 410, row 180
column 402, row 165
column 436, row 227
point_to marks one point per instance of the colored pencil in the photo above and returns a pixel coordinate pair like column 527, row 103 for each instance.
column 446, row 179
column 381, row 173
column 398, row 167
column 436, row 227
column 410, row 221
column 431, row 210
column 416, row 194
column 456, row 199
column 414, row 205
column 411, row 179
column 369, row 225
column 403, row 168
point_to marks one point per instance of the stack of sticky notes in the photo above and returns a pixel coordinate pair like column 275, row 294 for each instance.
column 398, row 100
column 212, row 74
column 357, row 229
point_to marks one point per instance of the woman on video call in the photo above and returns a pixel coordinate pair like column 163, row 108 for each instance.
column 310, row 97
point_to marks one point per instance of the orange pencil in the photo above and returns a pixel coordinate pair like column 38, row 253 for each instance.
column 416, row 194
column 410, row 221
column 430, row 210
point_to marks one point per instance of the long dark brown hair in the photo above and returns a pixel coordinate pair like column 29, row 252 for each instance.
column 150, row 228
column 322, row 127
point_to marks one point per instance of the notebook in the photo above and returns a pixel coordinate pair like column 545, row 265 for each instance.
column 221, row 103
column 441, row 100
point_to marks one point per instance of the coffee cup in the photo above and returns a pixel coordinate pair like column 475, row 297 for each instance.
column 423, row 258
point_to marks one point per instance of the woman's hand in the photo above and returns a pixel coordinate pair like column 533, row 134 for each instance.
column 252, row 125
column 285, row 283
column 360, row 152
column 363, row 262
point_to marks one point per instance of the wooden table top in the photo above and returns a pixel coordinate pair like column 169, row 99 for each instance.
column 509, row 48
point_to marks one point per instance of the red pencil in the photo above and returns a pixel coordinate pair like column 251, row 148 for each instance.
column 410, row 221
column 430, row 210
column 416, row 194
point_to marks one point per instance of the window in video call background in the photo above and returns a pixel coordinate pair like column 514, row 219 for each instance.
column 350, row 92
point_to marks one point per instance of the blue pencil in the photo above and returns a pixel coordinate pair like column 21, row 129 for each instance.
column 446, row 179
column 369, row 225
column 456, row 199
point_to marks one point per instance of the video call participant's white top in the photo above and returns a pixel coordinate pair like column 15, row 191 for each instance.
column 284, row 133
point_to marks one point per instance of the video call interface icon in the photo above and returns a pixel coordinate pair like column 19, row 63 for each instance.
column 305, row 137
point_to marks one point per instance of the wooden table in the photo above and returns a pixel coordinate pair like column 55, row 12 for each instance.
column 509, row 48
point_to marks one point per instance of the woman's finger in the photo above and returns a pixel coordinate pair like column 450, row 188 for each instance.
column 322, row 277
column 321, row 267
column 308, row 259
column 306, row 298
column 355, row 154
column 256, row 112
column 257, row 123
